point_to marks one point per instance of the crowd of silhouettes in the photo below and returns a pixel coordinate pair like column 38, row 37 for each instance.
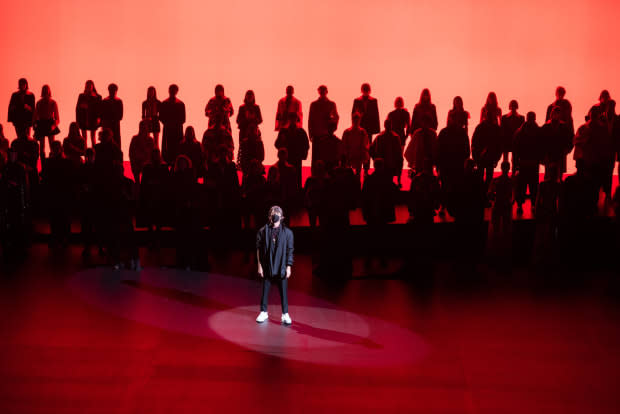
column 189, row 184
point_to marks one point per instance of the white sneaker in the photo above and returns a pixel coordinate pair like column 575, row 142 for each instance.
column 262, row 317
column 286, row 319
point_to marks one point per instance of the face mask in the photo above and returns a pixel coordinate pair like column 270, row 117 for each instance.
column 275, row 218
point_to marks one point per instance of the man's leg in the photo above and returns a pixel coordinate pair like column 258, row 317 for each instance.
column 282, row 287
column 265, row 297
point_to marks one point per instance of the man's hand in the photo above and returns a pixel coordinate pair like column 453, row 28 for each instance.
column 260, row 271
column 288, row 272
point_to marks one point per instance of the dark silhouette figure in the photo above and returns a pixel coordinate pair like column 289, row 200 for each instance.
column 296, row 142
column 486, row 146
column 216, row 137
column 329, row 151
column 107, row 155
column 192, row 149
column 74, row 145
column 254, row 192
column 87, row 111
column 422, row 147
column 282, row 181
column 400, row 120
column 314, row 192
column 424, row 113
column 510, row 123
column 491, row 110
column 46, row 119
column 547, row 216
column 557, row 141
column 286, row 105
column 27, row 152
column 21, row 109
column 251, row 148
column 424, row 195
column 4, row 145
column 184, row 189
column 249, row 116
column 112, row 113
column 219, row 109
column 566, row 112
column 140, row 150
column 368, row 109
column 606, row 107
column 500, row 226
column 527, row 155
column 150, row 113
column 452, row 152
column 87, row 202
column 172, row 115
column 153, row 195
column 222, row 183
column 15, row 200
column 387, row 147
column 458, row 115
column 322, row 123
column 356, row 145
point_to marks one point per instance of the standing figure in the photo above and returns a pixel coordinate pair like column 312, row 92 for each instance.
column 511, row 122
column 452, row 152
column 422, row 148
column 219, row 109
column 356, row 145
column 192, row 149
column 288, row 104
column 368, row 108
column 424, row 108
column 501, row 195
column 251, row 148
column 140, row 150
column 172, row 115
column 458, row 115
column 274, row 250
column 566, row 112
column 249, row 116
column 322, row 121
column 46, row 119
column 87, row 111
column 491, row 110
column 112, row 113
column 295, row 140
column 282, row 181
column 557, row 141
column 21, row 109
column 527, row 156
column 486, row 145
column 150, row 113
column 216, row 137
column 387, row 147
column 74, row 145
column 400, row 120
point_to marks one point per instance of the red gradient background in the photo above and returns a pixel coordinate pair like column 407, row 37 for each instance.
column 520, row 50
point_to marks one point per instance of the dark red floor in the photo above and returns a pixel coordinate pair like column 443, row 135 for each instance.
column 516, row 342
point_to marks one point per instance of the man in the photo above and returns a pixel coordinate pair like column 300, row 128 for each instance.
column 219, row 109
column 526, row 156
column 356, row 145
column 286, row 106
column 510, row 123
column 387, row 147
column 295, row 140
column 274, row 249
column 172, row 115
column 322, row 121
column 368, row 108
column 112, row 113
column 21, row 109
column 486, row 147
column 557, row 141
column 566, row 109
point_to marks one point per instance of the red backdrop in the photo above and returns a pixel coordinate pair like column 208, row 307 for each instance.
column 521, row 50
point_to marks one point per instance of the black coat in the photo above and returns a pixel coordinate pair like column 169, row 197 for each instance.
column 275, row 259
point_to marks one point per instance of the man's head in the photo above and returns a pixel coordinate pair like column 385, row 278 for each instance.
column 173, row 90
column 365, row 89
column 556, row 113
column 399, row 102
column 112, row 89
column 513, row 105
column 560, row 92
column 275, row 215
column 290, row 90
column 22, row 84
column 505, row 167
column 322, row 91
column 219, row 91
column 282, row 154
column 531, row 117
column 604, row 97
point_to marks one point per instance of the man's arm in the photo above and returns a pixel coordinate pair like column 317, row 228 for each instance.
column 259, row 241
column 289, row 254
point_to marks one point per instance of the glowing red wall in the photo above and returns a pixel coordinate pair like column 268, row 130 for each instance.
column 519, row 49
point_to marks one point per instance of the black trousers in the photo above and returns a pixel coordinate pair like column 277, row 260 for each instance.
column 282, row 287
column 528, row 177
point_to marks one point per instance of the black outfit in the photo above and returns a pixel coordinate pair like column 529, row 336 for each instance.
column 111, row 116
column 87, row 111
column 297, row 144
column 486, row 148
column 452, row 151
column 19, row 116
column 526, row 157
column 557, row 142
column 275, row 253
column 172, row 115
column 510, row 124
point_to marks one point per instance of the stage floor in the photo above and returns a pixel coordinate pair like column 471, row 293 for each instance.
column 76, row 340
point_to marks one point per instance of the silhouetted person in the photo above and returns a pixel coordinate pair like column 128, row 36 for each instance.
column 594, row 146
column 27, row 152
column 112, row 113
column 491, row 110
column 192, row 149
column 184, row 188
column 107, row 155
column 287, row 105
column 140, row 150
column 314, row 192
column 607, row 109
column 556, row 141
column 223, row 182
column 249, row 116
column 356, row 145
column 424, row 195
column 329, row 151
column 87, row 111
column 452, row 151
column 295, row 140
column 387, row 147
column 15, row 201
column 424, row 113
column 547, row 215
column 74, row 145
column 87, row 202
column 219, row 109
column 566, row 112
column 57, row 180
column 251, row 148
column 255, row 194
column 422, row 147
column 150, row 113
column 4, row 145
column 527, row 154
column 46, row 119
column 172, row 115
column 486, row 146
column 21, row 109
column 368, row 109
column 274, row 251
column 322, row 122
column 501, row 196
column 458, row 115
column 215, row 137
column 154, row 194
column 510, row 123
column 282, row 180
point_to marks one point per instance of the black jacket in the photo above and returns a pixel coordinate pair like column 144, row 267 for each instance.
column 274, row 259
